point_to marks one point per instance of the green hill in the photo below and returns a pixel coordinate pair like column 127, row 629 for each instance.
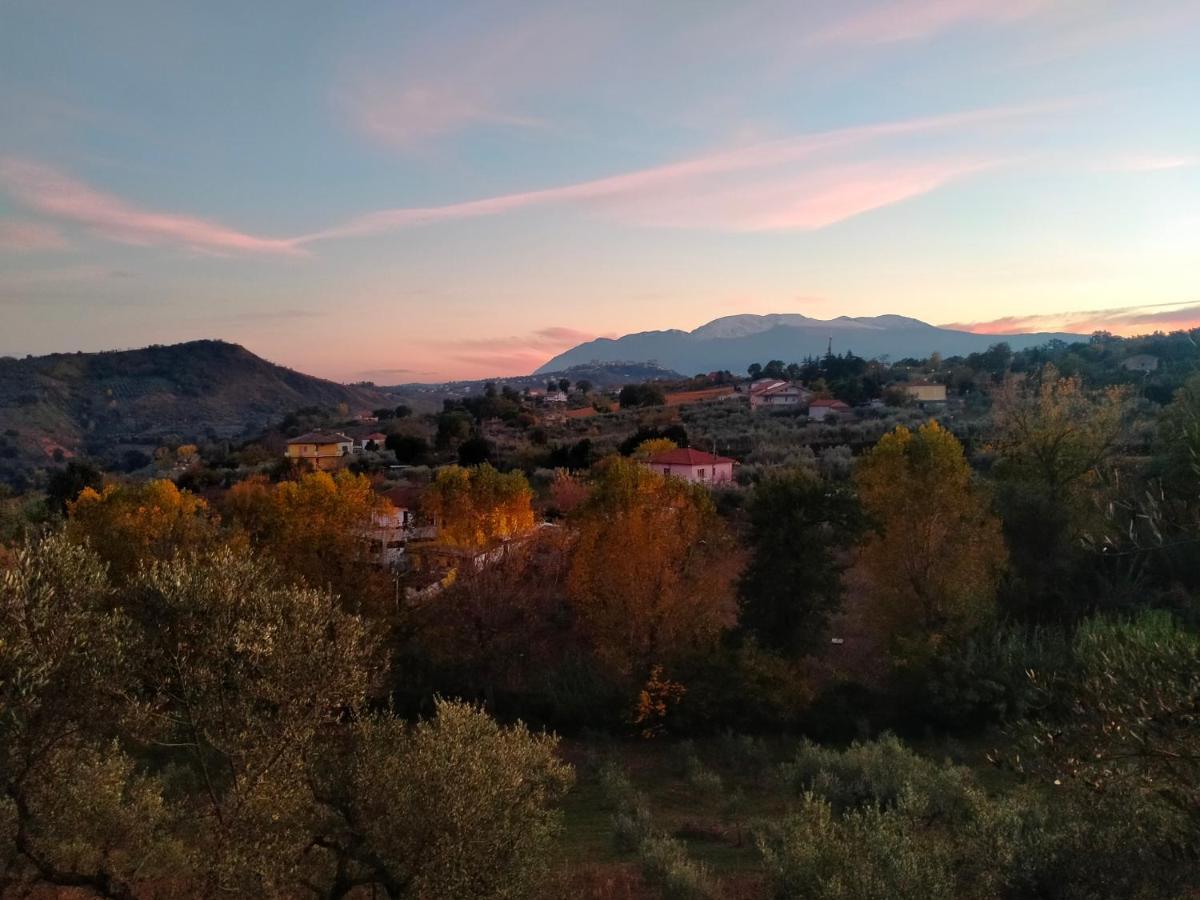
column 96, row 403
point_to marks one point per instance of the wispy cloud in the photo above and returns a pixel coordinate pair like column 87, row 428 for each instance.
column 805, row 182
column 60, row 197
column 894, row 22
column 1120, row 320
column 1149, row 162
column 29, row 237
column 700, row 192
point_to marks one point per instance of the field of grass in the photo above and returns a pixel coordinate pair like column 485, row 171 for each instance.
column 693, row 808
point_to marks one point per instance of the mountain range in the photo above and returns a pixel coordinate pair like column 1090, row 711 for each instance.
column 734, row 342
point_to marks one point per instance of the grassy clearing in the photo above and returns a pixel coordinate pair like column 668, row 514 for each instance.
column 688, row 803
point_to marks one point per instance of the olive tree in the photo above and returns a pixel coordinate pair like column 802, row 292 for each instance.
column 202, row 730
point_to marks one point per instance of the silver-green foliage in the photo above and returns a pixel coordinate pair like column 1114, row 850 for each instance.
column 878, row 773
column 197, row 729
column 868, row 854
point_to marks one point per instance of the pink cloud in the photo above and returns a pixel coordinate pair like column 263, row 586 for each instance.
column 894, row 22
column 821, row 196
column 66, row 199
column 483, row 365
column 757, row 206
column 29, row 237
column 512, row 355
column 1119, row 320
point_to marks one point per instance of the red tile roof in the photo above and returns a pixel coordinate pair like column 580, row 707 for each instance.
column 686, row 456
column 829, row 404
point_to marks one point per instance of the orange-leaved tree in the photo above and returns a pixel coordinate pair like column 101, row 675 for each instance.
column 130, row 524
column 652, row 571
column 478, row 507
column 933, row 563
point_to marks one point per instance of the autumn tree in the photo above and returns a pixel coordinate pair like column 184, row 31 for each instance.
column 479, row 507
column 1049, row 429
column 498, row 628
column 653, row 447
column 131, row 524
column 652, row 572
column 800, row 530
column 567, row 491
column 935, row 556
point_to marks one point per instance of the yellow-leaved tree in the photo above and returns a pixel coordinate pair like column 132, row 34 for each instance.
column 316, row 527
column 130, row 524
column 653, row 447
column 934, row 559
column 478, row 507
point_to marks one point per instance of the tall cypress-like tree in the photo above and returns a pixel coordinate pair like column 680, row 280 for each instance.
column 799, row 526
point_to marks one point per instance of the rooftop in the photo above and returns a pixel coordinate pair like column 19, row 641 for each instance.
column 321, row 437
column 686, row 456
column 828, row 404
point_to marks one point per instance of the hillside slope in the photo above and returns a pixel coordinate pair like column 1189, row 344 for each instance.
column 93, row 402
column 736, row 341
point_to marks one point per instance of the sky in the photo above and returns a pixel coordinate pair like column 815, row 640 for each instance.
column 411, row 191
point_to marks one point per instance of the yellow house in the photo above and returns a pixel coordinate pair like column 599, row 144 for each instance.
column 320, row 449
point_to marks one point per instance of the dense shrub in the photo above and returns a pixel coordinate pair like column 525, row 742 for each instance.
column 666, row 864
column 877, row 820
column 878, row 774
column 869, row 854
column 984, row 679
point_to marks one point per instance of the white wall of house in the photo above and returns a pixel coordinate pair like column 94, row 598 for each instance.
column 714, row 473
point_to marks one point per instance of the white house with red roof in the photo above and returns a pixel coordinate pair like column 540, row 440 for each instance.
column 691, row 465
column 776, row 394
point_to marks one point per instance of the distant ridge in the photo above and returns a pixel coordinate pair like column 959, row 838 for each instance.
column 92, row 402
column 734, row 342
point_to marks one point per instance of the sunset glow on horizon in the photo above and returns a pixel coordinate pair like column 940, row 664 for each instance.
column 415, row 193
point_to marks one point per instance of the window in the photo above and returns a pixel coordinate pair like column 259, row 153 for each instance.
column 700, row 473
column 666, row 470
